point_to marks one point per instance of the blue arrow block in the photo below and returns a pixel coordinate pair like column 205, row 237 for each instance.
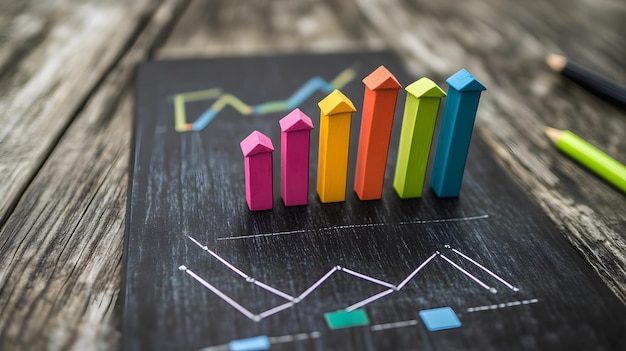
column 457, row 124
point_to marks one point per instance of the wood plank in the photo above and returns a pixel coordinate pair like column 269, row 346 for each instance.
column 60, row 250
column 504, row 44
column 224, row 27
column 54, row 56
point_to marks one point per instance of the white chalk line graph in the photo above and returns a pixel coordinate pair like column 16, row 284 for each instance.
column 355, row 226
column 293, row 300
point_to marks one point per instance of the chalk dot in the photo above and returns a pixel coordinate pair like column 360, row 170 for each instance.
column 493, row 290
column 182, row 268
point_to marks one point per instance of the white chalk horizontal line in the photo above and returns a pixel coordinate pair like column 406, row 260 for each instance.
column 378, row 327
column 353, row 226
column 294, row 337
column 502, row 305
column 261, row 235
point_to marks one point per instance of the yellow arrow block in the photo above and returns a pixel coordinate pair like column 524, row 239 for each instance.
column 332, row 163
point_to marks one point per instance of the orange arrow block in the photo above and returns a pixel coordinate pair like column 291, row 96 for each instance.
column 379, row 107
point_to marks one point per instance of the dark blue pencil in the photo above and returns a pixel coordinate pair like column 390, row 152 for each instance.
column 591, row 81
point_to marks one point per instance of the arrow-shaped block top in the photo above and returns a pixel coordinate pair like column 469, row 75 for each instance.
column 296, row 120
column 464, row 81
column 425, row 88
column 381, row 79
column 335, row 103
column 256, row 143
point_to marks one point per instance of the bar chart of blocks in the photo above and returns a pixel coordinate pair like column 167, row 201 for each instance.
column 378, row 246
column 379, row 104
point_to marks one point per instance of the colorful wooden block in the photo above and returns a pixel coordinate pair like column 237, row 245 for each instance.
column 418, row 125
column 455, row 134
column 257, row 151
column 379, row 107
column 334, row 143
column 294, row 158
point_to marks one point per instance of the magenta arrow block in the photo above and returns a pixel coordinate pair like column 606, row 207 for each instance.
column 295, row 137
column 257, row 150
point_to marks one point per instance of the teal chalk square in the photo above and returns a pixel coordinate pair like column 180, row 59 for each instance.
column 346, row 319
column 440, row 318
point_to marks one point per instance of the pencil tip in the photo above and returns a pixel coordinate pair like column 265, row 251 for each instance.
column 552, row 133
column 556, row 62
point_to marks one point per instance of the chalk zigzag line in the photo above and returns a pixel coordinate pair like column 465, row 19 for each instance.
column 293, row 300
column 226, row 99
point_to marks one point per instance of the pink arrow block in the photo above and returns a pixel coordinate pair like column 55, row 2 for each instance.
column 257, row 150
column 295, row 140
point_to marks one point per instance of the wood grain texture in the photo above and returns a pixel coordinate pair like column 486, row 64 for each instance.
column 60, row 250
column 44, row 85
column 55, row 55
column 224, row 28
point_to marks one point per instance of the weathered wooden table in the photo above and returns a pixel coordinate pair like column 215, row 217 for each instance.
column 66, row 69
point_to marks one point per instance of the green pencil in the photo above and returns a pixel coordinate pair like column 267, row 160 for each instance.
column 589, row 156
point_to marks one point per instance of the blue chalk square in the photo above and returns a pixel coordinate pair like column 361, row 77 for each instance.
column 257, row 343
column 440, row 319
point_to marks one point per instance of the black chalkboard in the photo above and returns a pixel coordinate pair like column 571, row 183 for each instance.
column 187, row 208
